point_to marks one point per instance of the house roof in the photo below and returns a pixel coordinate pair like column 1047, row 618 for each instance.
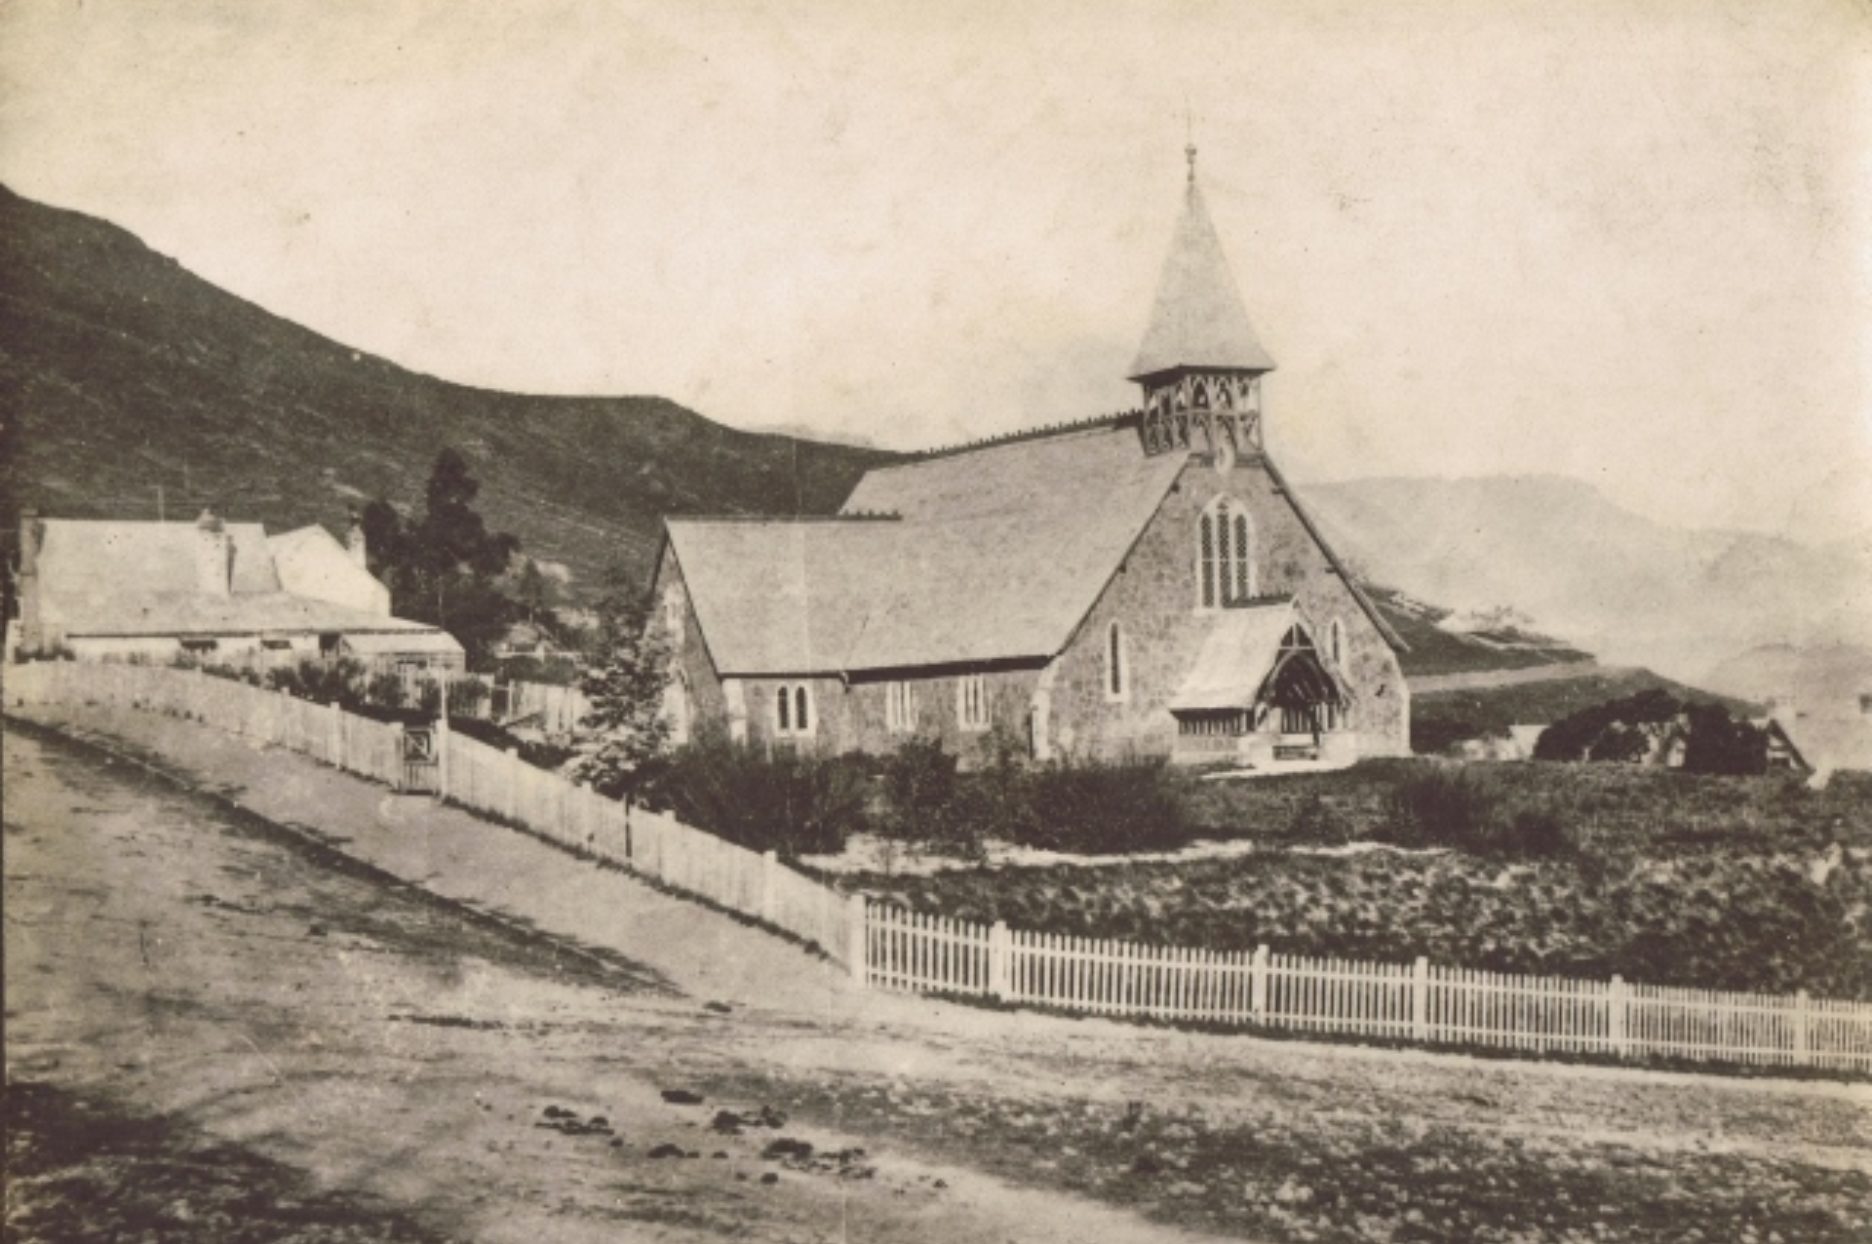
column 1832, row 741
column 102, row 557
column 308, row 541
column 1235, row 658
column 387, row 643
column 997, row 556
column 113, row 578
column 1198, row 319
column 256, row 613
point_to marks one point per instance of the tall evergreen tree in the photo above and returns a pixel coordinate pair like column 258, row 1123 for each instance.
column 625, row 684
column 445, row 567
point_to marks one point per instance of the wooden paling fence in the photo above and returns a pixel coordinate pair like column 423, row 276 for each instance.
column 887, row 947
column 476, row 776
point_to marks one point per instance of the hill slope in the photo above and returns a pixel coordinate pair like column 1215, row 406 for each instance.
column 121, row 370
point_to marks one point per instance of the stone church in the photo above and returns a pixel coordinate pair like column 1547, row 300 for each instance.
column 1145, row 583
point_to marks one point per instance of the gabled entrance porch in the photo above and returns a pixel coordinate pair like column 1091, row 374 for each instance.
column 1262, row 696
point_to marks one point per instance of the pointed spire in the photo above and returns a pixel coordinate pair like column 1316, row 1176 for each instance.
column 1198, row 321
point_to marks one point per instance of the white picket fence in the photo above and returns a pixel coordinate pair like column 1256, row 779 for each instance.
column 1418, row 1002
column 887, row 947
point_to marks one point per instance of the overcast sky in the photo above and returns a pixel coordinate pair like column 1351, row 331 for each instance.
column 1630, row 242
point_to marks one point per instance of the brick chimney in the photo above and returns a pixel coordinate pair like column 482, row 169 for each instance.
column 355, row 544
column 214, row 556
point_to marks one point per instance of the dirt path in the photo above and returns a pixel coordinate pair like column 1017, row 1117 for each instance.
column 165, row 959
column 172, row 961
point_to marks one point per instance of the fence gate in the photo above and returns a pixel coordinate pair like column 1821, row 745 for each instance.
column 422, row 767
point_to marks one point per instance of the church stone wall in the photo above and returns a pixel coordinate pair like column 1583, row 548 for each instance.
column 689, row 658
column 1154, row 599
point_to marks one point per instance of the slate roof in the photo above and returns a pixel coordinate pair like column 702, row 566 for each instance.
column 996, row 556
column 1198, row 319
column 115, row 578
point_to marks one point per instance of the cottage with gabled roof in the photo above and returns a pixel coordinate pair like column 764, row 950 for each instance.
column 1142, row 583
column 213, row 591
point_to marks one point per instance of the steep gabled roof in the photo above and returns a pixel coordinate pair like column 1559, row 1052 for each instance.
column 1235, row 658
column 1198, row 320
column 998, row 556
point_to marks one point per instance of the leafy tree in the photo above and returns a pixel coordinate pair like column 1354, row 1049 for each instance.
column 1715, row 742
column 385, row 542
column 624, row 682
column 444, row 568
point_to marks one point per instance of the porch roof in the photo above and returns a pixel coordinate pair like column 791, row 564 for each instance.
column 1236, row 658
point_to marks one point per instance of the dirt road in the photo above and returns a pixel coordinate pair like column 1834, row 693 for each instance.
column 219, row 1028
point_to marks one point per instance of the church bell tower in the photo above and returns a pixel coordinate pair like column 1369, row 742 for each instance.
column 1200, row 364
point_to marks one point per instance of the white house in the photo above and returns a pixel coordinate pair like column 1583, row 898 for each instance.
column 219, row 592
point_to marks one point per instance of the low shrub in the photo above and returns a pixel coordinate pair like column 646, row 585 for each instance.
column 386, row 689
column 539, row 755
column 922, row 801
column 793, row 803
column 1103, row 807
column 1438, row 808
column 338, row 681
column 1319, row 820
column 1458, row 809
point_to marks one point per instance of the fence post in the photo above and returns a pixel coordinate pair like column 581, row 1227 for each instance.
column 1258, row 984
column 1420, row 1000
column 769, row 870
column 442, row 752
column 1000, row 960
column 1617, row 1019
column 855, row 936
column 334, row 741
column 1803, row 1037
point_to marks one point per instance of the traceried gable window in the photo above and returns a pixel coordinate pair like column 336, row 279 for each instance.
column 972, row 711
column 793, row 710
column 1224, row 555
column 900, row 706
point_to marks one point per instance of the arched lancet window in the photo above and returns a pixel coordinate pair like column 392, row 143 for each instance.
column 1224, row 554
column 793, row 709
column 1335, row 641
column 1117, row 677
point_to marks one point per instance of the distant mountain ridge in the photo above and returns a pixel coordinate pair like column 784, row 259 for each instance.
column 1621, row 585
